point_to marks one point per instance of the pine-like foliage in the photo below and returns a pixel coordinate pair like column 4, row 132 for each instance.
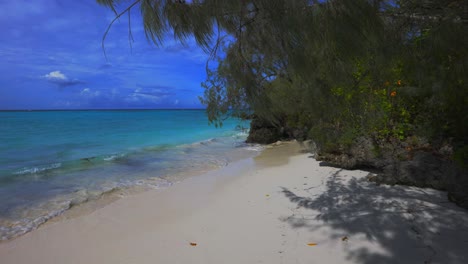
column 338, row 69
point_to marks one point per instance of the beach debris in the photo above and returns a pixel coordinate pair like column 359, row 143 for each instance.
column 193, row 244
column 312, row 244
column 344, row 239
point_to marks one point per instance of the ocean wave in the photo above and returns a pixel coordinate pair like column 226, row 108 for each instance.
column 156, row 161
column 200, row 143
column 254, row 147
column 208, row 141
column 32, row 218
column 113, row 157
column 35, row 170
column 243, row 133
column 11, row 229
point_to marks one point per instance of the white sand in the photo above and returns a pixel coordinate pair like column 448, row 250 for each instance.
column 265, row 210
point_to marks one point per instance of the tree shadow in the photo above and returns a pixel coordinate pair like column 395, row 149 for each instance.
column 412, row 225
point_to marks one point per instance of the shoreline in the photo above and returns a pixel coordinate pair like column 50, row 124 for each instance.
column 86, row 200
column 279, row 207
column 107, row 198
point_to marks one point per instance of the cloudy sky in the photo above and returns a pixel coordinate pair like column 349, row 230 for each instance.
column 51, row 58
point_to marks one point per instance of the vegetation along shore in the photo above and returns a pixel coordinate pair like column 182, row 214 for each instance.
column 375, row 84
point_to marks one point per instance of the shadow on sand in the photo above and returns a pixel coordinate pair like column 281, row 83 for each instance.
column 411, row 225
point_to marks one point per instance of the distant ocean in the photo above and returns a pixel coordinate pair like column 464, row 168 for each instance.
column 52, row 160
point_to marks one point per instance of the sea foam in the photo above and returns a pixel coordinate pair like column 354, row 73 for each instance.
column 40, row 169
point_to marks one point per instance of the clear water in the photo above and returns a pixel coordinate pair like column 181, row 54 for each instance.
column 51, row 160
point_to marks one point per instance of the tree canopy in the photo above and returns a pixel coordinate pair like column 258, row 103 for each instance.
column 336, row 69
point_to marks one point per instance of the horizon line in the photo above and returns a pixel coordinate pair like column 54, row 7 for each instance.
column 97, row 109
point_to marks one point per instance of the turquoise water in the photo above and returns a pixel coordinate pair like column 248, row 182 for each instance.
column 52, row 160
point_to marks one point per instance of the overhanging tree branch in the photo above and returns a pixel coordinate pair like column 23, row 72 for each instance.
column 112, row 22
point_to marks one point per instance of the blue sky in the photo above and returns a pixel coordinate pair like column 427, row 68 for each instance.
column 51, row 58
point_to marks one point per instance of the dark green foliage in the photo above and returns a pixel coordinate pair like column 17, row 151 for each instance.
column 461, row 156
column 339, row 68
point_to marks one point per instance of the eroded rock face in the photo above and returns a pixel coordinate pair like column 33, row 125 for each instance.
column 431, row 170
column 362, row 153
column 263, row 132
column 423, row 170
column 406, row 164
column 413, row 162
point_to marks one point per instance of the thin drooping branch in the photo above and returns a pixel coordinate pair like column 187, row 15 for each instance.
column 130, row 34
column 112, row 22
column 214, row 51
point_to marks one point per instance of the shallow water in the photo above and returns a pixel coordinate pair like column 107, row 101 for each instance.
column 51, row 161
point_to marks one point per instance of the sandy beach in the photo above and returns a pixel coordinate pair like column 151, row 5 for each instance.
column 280, row 207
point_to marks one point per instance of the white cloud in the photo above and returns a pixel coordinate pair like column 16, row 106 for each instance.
column 86, row 92
column 142, row 98
column 60, row 79
column 176, row 102
column 56, row 75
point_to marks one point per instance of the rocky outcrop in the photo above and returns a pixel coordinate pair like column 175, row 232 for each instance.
column 363, row 153
column 264, row 132
column 428, row 169
column 413, row 163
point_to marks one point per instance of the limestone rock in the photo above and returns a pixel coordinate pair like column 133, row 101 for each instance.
column 263, row 132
